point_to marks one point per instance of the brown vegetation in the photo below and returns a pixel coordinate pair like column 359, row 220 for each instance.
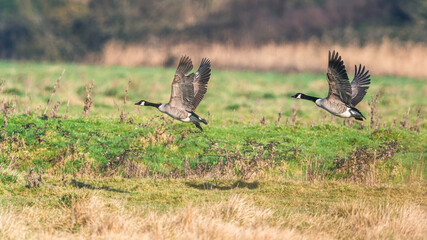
column 386, row 58
column 375, row 99
column 33, row 180
column 84, row 215
column 365, row 166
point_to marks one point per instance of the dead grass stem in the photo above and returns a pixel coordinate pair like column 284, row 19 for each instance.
column 375, row 99
column 88, row 100
column 123, row 110
column 55, row 88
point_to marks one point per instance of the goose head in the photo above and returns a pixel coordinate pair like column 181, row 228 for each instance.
column 141, row 103
column 298, row 95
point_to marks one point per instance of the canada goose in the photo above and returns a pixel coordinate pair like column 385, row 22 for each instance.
column 343, row 96
column 187, row 92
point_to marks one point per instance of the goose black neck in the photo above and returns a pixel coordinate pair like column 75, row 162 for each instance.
column 306, row 97
column 150, row 104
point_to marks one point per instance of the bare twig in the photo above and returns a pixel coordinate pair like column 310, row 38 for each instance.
column 6, row 107
column 123, row 111
column 88, row 100
column 263, row 121
column 418, row 122
column 279, row 118
column 294, row 116
column 234, row 114
column 253, row 116
column 55, row 87
column 17, row 103
column 66, row 111
column 55, row 109
column 308, row 173
column 27, row 107
column 374, row 101
column 2, row 82
column 405, row 122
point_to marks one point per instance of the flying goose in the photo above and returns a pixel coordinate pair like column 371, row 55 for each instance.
column 343, row 96
column 187, row 92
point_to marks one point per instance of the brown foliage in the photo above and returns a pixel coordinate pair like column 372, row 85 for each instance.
column 361, row 166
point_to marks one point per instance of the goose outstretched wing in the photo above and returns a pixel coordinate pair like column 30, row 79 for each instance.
column 200, row 82
column 359, row 85
column 182, row 92
column 339, row 86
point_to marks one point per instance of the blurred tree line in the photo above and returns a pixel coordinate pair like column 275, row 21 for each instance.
column 70, row 30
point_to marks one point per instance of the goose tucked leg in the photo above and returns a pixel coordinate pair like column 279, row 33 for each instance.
column 195, row 118
column 198, row 126
column 357, row 114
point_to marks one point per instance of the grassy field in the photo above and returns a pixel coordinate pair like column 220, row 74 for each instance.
column 128, row 172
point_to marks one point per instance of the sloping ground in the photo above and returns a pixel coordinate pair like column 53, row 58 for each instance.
column 161, row 149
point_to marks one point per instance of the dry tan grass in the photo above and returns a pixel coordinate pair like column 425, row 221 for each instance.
column 91, row 217
column 387, row 58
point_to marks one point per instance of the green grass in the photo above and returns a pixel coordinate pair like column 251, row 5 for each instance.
column 172, row 165
column 250, row 95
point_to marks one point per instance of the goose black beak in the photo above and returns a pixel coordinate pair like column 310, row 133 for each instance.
column 294, row 96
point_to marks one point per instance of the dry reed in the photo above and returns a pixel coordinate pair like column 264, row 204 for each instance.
column 385, row 58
